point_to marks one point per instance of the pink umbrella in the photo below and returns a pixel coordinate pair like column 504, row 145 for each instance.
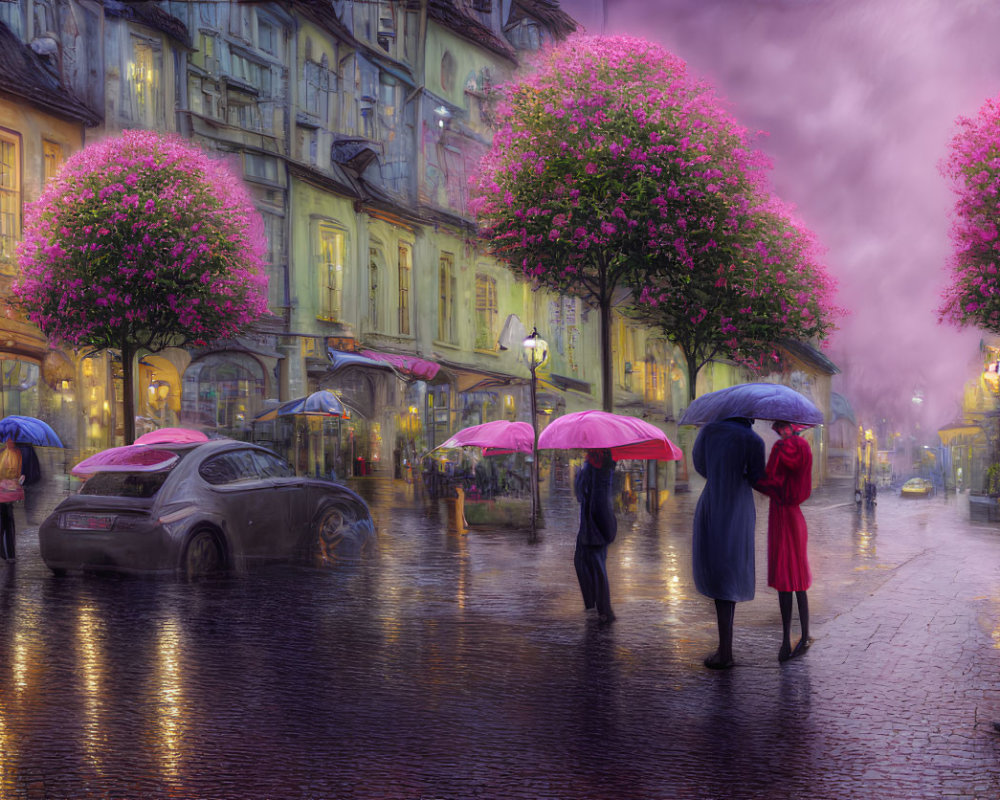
column 625, row 437
column 172, row 436
column 496, row 438
column 130, row 458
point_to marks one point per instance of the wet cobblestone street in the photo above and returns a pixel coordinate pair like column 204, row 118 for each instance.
column 462, row 665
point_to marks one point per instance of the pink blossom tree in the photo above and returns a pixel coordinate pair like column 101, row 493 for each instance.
column 742, row 300
column 611, row 164
column 973, row 167
column 142, row 241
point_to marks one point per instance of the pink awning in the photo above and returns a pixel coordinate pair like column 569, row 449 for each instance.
column 415, row 367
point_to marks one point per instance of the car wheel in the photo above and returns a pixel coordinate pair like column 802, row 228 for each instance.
column 203, row 556
column 333, row 533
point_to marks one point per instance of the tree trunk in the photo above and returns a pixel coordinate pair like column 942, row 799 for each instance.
column 607, row 371
column 128, row 390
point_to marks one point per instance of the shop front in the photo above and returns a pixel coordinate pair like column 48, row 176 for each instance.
column 221, row 393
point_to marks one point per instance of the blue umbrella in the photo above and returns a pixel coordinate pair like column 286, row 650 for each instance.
column 28, row 430
column 318, row 404
column 754, row 401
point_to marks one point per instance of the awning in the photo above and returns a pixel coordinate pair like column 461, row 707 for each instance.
column 960, row 430
column 406, row 367
column 469, row 380
column 418, row 368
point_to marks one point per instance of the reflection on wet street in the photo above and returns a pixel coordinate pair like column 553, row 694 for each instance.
column 462, row 665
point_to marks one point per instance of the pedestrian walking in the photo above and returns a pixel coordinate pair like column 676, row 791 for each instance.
column 11, row 490
column 730, row 456
column 598, row 528
column 788, row 482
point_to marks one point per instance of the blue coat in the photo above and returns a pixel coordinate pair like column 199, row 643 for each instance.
column 731, row 457
column 598, row 525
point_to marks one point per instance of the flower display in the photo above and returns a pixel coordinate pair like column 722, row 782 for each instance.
column 973, row 167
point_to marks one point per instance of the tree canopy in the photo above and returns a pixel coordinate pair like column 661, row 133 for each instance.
column 740, row 301
column 613, row 168
column 142, row 241
column 973, row 167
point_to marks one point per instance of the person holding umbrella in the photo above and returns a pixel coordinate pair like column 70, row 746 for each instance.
column 730, row 456
column 11, row 478
column 598, row 528
column 788, row 482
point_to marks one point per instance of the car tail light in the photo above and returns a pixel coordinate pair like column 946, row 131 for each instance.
column 129, row 522
column 74, row 521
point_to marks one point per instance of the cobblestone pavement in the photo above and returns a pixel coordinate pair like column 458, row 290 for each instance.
column 462, row 665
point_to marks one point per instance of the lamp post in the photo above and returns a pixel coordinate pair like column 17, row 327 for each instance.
column 536, row 353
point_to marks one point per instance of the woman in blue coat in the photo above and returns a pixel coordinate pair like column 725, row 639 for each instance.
column 730, row 456
column 598, row 527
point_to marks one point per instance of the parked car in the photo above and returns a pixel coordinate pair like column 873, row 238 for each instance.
column 203, row 507
column 917, row 487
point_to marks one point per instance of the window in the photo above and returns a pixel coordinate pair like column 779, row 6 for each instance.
column 655, row 383
column 386, row 25
column 447, row 285
column 236, row 467
column 242, row 111
column 10, row 199
column 239, row 21
column 405, row 272
column 318, row 86
column 267, row 37
column 274, row 229
column 52, row 158
column 222, row 391
column 19, row 387
column 270, row 466
column 13, row 15
column 207, row 14
column 206, row 47
column 447, row 71
column 331, row 251
column 260, row 166
column 143, row 92
column 486, row 312
column 375, row 260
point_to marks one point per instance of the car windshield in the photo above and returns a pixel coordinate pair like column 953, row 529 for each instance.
column 125, row 484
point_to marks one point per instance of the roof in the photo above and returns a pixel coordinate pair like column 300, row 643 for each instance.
column 447, row 14
column 810, row 355
column 150, row 15
column 27, row 76
column 547, row 12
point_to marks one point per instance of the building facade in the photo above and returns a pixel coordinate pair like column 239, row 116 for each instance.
column 357, row 127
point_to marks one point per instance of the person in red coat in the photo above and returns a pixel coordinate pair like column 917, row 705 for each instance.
column 788, row 482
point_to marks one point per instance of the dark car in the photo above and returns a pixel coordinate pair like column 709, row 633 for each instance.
column 220, row 505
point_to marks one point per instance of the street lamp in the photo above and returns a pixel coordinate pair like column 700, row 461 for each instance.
column 536, row 353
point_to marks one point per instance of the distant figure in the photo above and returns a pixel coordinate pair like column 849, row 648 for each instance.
column 731, row 457
column 598, row 528
column 11, row 490
column 32, row 471
column 788, row 483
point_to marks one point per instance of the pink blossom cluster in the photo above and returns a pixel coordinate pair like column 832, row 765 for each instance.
column 973, row 167
column 771, row 287
column 142, row 237
column 621, row 119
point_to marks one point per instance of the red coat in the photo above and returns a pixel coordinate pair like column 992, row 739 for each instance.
column 788, row 483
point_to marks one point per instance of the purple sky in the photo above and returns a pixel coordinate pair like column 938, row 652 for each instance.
column 858, row 101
